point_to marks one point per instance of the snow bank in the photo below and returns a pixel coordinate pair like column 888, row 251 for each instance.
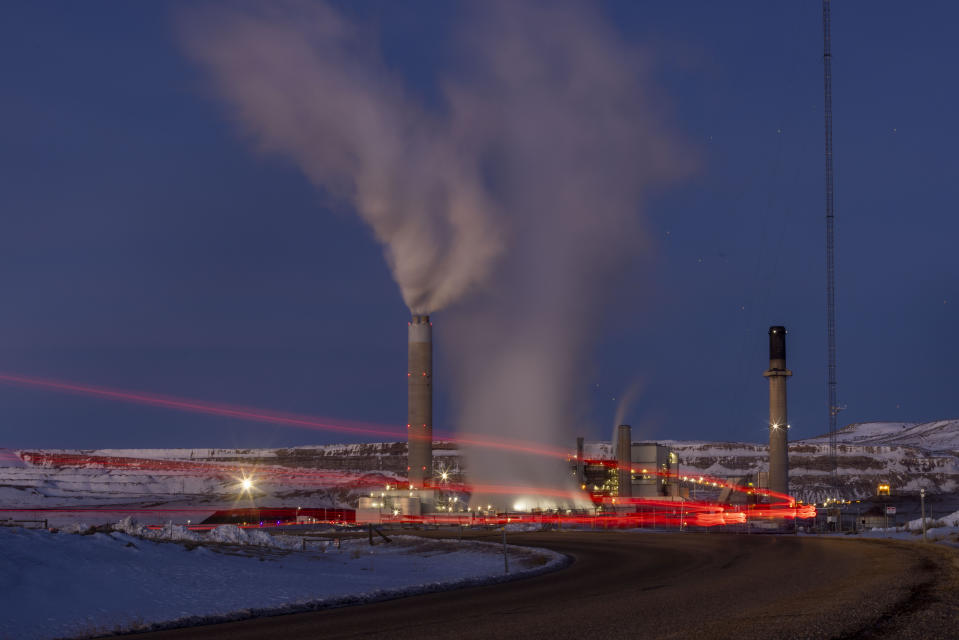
column 232, row 534
column 61, row 586
column 952, row 520
column 224, row 534
column 169, row 531
column 76, row 527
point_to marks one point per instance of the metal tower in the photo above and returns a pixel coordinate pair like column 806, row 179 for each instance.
column 833, row 404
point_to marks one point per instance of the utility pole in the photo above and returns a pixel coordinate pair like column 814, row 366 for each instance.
column 922, row 502
column 833, row 403
column 505, row 550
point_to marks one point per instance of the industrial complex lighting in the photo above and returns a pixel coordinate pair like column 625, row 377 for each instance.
column 246, row 484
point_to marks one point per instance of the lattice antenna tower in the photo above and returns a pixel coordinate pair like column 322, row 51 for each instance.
column 833, row 403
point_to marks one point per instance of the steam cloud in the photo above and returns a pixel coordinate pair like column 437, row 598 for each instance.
column 626, row 402
column 307, row 83
column 519, row 198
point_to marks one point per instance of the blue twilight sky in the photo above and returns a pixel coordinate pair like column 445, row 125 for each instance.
column 145, row 245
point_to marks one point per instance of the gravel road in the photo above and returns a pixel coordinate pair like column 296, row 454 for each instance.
column 669, row 585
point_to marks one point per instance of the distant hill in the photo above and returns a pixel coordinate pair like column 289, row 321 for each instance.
column 909, row 456
column 940, row 436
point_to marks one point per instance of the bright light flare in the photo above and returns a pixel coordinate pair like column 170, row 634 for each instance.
column 246, row 485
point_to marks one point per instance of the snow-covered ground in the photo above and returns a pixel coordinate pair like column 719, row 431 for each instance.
column 65, row 585
column 944, row 530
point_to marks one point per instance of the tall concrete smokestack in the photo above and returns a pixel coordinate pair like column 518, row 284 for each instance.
column 624, row 459
column 778, row 420
column 419, row 422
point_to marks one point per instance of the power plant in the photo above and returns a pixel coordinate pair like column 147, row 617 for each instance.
column 641, row 470
column 619, row 477
column 628, row 471
column 778, row 419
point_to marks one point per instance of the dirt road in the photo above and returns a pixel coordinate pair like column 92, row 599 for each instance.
column 646, row 585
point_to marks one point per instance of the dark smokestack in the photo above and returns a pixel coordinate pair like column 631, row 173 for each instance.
column 778, row 418
column 777, row 345
column 419, row 421
column 624, row 459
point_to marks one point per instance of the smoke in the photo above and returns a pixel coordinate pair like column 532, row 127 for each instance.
column 305, row 82
column 519, row 198
column 625, row 404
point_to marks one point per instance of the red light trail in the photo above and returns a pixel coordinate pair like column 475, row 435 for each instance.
column 198, row 406
column 266, row 415
column 619, row 511
column 702, row 513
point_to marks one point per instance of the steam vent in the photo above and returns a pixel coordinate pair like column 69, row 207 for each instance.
column 778, row 420
column 419, row 422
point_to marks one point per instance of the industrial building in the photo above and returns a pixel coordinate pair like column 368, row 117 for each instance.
column 639, row 470
column 651, row 471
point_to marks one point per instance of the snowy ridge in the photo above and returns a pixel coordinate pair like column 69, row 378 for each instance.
column 201, row 480
column 906, row 455
column 937, row 436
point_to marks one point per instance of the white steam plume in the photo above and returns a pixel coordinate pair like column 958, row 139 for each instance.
column 570, row 111
column 625, row 404
column 307, row 83
column 520, row 198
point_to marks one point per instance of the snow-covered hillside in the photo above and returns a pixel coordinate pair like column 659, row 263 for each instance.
column 188, row 484
column 908, row 456
column 182, row 484
column 941, row 436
